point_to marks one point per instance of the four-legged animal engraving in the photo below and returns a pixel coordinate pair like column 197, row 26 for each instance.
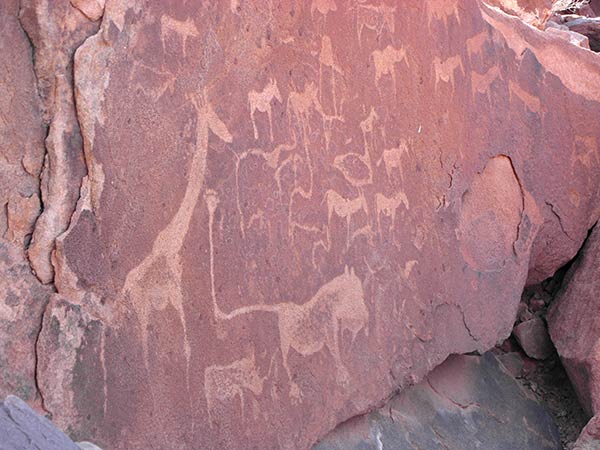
column 156, row 282
column 385, row 63
column 337, row 307
column 184, row 29
column 343, row 208
column 388, row 206
column 261, row 101
column 222, row 384
column 444, row 70
column 392, row 159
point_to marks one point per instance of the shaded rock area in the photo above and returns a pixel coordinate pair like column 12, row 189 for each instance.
column 468, row 402
column 235, row 222
column 548, row 381
column 590, row 436
column 21, row 428
column 574, row 324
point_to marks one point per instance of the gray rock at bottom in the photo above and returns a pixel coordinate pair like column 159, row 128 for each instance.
column 21, row 428
column 468, row 402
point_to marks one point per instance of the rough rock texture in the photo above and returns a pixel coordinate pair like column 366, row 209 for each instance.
column 22, row 429
column 22, row 299
column 574, row 325
column 533, row 338
column 590, row 436
column 469, row 402
column 292, row 210
column 56, row 28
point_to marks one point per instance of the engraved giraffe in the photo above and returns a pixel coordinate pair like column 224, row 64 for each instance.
column 444, row 70
column 183, row 28
column 385, row 62
column 156, row 282
column 337, row 306
column 261, row 101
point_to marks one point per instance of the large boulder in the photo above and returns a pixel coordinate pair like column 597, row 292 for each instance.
column 468, row 402
column 292, row 210
column 574, row 324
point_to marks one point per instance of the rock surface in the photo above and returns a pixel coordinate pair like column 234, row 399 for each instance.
column 469, row 402
column 21, row 428
column 292, row 210
column 22, row 299
column 590, row 436
column 532, row 336
column 574, row 324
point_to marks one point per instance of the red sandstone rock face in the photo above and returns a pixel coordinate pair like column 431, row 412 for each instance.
column 22, row 299
column 291, row 211
column 574, row 325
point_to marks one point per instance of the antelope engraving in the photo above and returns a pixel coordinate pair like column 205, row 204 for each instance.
column 323, row 6
column 182, row 28
column 392, row 159
column 385, row 61
column 261, row 101
column 337, row 307
column 388, row 206
column 375, row 18
column 481, row 82
column 343, row 208
column 444, row 70
column 442, row 10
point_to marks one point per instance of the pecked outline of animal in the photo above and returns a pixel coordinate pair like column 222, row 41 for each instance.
column 223, row 383
column 261, row 101
column 338, row 306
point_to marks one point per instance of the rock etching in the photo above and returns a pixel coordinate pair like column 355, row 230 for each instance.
column 156, row 282
column 385, row 63
column 337, row 307
column 261, row 101
column 445, row 70
column 184, row 29
column 223, row 383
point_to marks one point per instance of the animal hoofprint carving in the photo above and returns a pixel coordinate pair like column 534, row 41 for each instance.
column 337, row 307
